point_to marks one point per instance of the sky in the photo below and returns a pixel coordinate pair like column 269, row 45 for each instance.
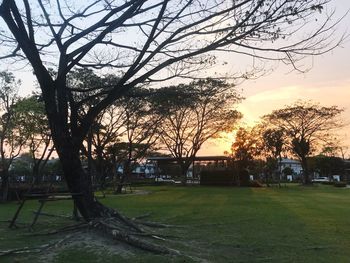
column 327, row 82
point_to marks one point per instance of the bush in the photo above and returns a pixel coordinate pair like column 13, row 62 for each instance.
column 340, row 184
column 328, row 183
column 244, row 178
column 255, row 183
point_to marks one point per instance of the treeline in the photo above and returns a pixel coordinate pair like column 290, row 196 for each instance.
column 175, row 119
column 304, row 131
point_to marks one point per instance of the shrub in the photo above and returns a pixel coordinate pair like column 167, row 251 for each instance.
column 255, row 183
column 340, row 184
column 328, row 183
column 244, row 178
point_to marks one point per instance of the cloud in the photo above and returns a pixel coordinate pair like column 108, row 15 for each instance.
column 284, row 93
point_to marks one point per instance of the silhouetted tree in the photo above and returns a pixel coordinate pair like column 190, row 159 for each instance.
column 142, row 130
column 192, row 114
column 31, row 117
column 326, row 165
column 12, row 139
column 273, row 142
column 306, row 125
column 246, row 147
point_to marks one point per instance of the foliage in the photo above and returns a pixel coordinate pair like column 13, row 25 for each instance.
column 53, row 167
column 306, row 126
column 340, row 184
column 21, row 165
column 287, row 171
column 141, row 126
column 273, row 141
column 31, row 117
column 246, row 146
column 326, row 165
column 194, row 113
column 12, row 137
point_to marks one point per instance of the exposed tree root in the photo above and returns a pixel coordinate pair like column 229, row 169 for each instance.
column 127, row 221
column 51, row 215
column 109, row 227
column 153, row 224
column 70, row 228
column 141, row 216
column 116, row 226
column 37, row 249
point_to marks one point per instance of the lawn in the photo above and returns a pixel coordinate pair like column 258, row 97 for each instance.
column 290, row 224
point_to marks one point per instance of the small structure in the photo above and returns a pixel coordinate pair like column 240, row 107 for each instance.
column 293, row 164
column 168, row 167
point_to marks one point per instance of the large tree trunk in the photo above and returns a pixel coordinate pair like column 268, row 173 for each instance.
column 5, row 186
column 120, row 184
column 184, row 170
column 126, row 174
column 78, row 181
column 306, row 175
column 36, row 175
column 101, row 176
column 67, row 139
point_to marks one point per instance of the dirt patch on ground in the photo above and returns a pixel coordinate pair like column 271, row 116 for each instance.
column 103, row 247
column 88, row 240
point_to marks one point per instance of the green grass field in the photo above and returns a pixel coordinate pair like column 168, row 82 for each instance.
column 292, row 224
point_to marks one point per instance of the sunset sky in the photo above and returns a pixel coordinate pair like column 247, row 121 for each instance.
column 327, row 82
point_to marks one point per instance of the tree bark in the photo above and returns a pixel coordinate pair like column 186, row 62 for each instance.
column 126, row 174
column 306, row 175
column 79, row 182
column 184, row 169
column 5, row 186
column 36, row 174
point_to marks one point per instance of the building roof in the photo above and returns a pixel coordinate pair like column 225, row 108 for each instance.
column 197, row 158
column 289, row 161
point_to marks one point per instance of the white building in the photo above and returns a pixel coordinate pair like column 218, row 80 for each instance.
column 293, row 164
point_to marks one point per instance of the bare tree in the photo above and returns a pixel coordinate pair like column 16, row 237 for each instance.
column 306, row 126
column 142, row 39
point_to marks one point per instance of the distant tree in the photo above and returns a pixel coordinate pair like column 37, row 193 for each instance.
column 142, row 130
column 30, row 115
column 273, row 142
column 12, row 140
column 326, row 165
column 306, row 126
column 109, row 128
column 246, row 147
column 53, row 168
column 192, row 114
column 287, row 171
column 21, row 166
